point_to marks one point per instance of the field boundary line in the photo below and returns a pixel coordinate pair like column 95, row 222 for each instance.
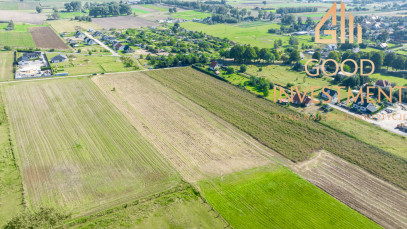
column 77, row 76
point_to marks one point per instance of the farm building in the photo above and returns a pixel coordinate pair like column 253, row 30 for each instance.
column 118, row 46
column 58, row 59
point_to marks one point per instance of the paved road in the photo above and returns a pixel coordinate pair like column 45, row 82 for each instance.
column 101, row 44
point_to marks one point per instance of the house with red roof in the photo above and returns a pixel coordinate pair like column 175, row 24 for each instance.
column 301, row 99
column 383, row 83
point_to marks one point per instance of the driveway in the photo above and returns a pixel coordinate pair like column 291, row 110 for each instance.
column 102, row 44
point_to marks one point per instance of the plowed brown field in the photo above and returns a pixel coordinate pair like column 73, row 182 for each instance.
column 45, row 37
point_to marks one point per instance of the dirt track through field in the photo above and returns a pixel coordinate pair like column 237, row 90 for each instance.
column 196, row 142
column 45, row 37
column 374, row 198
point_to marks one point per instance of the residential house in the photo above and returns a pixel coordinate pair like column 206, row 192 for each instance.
column 383, row 83
column 79, row 34
column 332, row 94
column 306, row 100
column 97, row 33
column 383, row 45
column 59, row 58
column 91, row 30
column 331, row 47
column 214, row 66
column 364, row 106
column 118, row 46
column 128, row 49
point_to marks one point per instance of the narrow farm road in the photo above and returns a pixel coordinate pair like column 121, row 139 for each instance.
column 102, row 44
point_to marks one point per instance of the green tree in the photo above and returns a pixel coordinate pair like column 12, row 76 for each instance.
column 398, row 63
column 230, row 70
column 250, row 54
column 293, row 41
column 388, row 59
column 10, row 25
column 38, row 9
column 316, row 55
column 243, row 68
column 377, row 59
column 295, row 56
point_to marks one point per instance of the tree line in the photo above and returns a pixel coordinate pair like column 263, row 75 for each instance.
column 286, row 10
column 109, row 9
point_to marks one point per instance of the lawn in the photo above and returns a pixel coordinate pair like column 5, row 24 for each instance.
column 6, row 66
column 182, row 209
column 19, row 27
column 8, row 5
column 154, row 7
column 83, row 64
column 261, row 197
column 296, row 139
column 253, row 35
column 140, row 11
column 76, row 151
column 11, row 202
column 392, row 79
column 190, row 14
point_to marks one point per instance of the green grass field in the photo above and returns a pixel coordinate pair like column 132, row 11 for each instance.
column 76, row 151
column 253, row 35
column 295, row 139
column 85, row 64
column 259, row 198
column 19, row 27
column 16, row 39
column 190, row 14
column 6, row 66
column 154, row 7
column 392, row 79
column 182, row 209
column 10, row 181
column 140, row 11
column 8, row 5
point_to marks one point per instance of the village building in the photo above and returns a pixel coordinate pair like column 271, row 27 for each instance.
column 59, row 58
column 214, row 66
column 332, row 93
column 306, row 101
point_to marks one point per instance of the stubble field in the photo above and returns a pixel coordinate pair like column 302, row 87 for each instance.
column 197, row 143
column 76, row 151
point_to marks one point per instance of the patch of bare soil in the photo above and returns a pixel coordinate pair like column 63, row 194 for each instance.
column 45, row 37
column 360, row 190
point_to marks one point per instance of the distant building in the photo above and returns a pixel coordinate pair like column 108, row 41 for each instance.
column 331, row 47
column 118, row 46
column 128, row 49
column 383, row 83
column 332, row 93
column 364, row 106
column 305, row 102
column 59, row 58
column 299, row 33
column 79, row 34
column 214, row 66
column 383, row 45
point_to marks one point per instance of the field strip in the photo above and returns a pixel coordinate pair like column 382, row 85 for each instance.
column 195, row 141
column 77, row 76
column 374, row 198
column 77, row 151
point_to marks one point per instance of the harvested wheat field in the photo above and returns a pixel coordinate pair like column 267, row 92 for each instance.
column 374, row 198
column 123, row 22
column 22, row 16
column 77, row 151
column 45, row 37
column 196, row 142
